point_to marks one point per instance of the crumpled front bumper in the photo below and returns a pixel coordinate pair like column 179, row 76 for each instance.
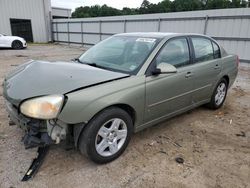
column 36, row 134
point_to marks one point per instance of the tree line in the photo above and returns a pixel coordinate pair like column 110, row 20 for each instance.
column 161, row 7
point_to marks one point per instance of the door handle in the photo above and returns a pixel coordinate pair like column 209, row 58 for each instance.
column 189, row 74
column 216, row 66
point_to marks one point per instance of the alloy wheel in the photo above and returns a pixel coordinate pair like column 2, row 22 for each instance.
column 220, row 93
column 111, row 137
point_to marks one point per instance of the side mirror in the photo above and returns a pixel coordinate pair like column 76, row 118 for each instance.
column 164, row 68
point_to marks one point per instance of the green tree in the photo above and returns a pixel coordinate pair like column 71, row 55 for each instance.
column 163, row 6
column 95, row 11
column 129, row 11
column 236, row 3
column 216, row 4
column 108, row 11
column 145, row 7
column 187, row 5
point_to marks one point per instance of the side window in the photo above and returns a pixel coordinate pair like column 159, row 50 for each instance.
column 175, row 52
column 203, row 49
column 216, row 50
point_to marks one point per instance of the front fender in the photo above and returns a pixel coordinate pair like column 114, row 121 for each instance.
column 82, row 105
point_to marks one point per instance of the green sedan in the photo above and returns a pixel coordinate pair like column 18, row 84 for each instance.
column 122, row 85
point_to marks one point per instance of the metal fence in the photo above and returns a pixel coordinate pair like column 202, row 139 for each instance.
column 231, row 27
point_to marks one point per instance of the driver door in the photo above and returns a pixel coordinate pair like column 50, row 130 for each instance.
column 169, row 94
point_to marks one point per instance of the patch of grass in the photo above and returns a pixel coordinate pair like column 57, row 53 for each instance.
column 38, row 43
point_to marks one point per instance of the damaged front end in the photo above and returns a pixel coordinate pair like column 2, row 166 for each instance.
column 38, row 133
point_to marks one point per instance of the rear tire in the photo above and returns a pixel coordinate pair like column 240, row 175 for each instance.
column 219, row 95
column 106, row 136
column 16, row 44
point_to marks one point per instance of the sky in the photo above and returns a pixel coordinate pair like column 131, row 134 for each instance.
column 119, row 4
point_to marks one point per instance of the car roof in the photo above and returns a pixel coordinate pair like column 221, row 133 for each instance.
column 159, row 35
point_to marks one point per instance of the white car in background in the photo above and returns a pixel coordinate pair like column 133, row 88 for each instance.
column 12, row 42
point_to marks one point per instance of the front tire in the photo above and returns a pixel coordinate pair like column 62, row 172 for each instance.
column 16, row 44
column 107, row 135
column 219, row 94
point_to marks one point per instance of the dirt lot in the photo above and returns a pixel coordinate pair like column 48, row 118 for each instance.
column 215, row 145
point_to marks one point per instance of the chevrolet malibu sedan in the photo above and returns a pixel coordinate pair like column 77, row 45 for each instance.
column 122, row 85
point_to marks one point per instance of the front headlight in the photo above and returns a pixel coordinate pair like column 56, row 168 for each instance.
column 46, row 107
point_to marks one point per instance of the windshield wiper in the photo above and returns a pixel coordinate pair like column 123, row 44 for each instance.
column 78, row 60
column 95, row 65
column 90, row 64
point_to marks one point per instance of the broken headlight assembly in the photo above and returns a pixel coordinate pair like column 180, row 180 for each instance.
column 47, row 107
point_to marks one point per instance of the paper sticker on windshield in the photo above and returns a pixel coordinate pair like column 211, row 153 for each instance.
column 145, row 40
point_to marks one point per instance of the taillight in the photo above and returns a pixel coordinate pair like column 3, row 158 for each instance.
column 237, row 61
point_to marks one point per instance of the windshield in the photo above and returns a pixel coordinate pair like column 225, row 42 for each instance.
column 120, row 53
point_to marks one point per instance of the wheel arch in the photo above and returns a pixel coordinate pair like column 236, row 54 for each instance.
column 79, row 128
column 14, row 40
column 127, row 108
column 226, row 77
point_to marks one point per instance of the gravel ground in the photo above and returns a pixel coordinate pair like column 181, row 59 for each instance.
column 215, row 145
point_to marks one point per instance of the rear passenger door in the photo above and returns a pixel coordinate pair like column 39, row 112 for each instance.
column 207, row 67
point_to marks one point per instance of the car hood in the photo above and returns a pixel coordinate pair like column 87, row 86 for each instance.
column 38, row 78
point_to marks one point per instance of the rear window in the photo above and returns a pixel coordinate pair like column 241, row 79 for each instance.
column 203, row 49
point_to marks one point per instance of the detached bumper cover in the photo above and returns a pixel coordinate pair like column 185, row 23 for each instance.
column 35, row 130
column 36, row 164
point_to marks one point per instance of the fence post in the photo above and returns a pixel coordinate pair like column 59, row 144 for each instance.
column 100, row 30
column 57, row 31
column 205, row 26
column 68, row 33
column 82, row 34
column 159, row 25
column 51, row 27
column 51, row 32
column 125, row 26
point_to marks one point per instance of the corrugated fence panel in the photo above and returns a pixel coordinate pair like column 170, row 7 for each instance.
column 91, row 38
column 245, row 26
column 62, row 27
column 231, row 27
column 142, row 26
column 74, row 27
column 91, row 27
column 63, row 37
column 75, row 38
column 192, row 26
column 115, row 27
